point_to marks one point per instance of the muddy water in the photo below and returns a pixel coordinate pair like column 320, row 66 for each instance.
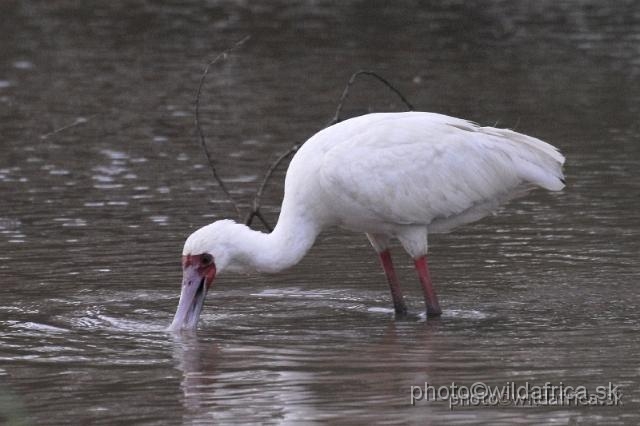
column 102, row 178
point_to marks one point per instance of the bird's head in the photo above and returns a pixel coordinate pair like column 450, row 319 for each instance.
column 206, row 254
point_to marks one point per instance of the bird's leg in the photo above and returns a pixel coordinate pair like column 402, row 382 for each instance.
column 380, row 243
column 394, row 285
column 430, row 298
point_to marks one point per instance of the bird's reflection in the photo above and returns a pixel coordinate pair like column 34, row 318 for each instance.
column 197, row 359
column 231, row 377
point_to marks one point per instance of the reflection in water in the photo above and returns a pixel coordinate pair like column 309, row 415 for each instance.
column 198, row 369
column 101, row 180
column 215, row 391
column 238, row 381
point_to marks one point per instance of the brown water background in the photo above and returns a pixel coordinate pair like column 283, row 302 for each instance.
column 102, row 178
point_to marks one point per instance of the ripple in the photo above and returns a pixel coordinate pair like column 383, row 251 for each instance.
column 114, row 155
column 40, row 327
column 465, row 314
column 243, row 179
column 9, row 223
column 23, row 65
column 379, row 310
column 295, row 292
column 121, row 324
column 89, row 321
column 58, row 172
column 112, row 170
column 108, row 186
column 160, row 220
column 71, row 222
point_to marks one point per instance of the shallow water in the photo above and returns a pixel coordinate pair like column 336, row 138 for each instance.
column 102, row 178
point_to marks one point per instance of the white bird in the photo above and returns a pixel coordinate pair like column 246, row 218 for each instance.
column 389, row 175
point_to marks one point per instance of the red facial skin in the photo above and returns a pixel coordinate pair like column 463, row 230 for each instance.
column 201, row 265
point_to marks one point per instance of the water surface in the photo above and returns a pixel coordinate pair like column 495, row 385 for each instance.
column 102, row 178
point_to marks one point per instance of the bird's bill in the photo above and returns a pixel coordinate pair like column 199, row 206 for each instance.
column 195, row 284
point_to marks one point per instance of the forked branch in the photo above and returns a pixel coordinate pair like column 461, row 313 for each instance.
column 352, row 79
column 257, row 199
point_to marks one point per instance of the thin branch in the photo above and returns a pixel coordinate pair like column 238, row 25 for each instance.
column 352, row 79
column 203, row 142
column 255, row 212
column 257, row 199
column 78, row 122
column 258, row 214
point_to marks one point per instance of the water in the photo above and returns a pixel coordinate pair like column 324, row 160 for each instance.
column 102, row 178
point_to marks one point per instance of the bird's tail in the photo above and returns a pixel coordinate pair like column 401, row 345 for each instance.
column 537, row 162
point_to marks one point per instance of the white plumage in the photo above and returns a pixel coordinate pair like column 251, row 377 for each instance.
column 402, row 175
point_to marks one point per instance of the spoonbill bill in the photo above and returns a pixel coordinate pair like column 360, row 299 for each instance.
column 389, row 175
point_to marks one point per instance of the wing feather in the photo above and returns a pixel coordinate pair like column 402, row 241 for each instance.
column 414, row 168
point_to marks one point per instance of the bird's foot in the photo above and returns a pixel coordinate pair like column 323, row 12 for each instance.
column 433, row 311
column 400, row 308
column 401, row 313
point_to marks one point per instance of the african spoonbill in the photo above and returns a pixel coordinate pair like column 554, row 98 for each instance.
column 389, row 175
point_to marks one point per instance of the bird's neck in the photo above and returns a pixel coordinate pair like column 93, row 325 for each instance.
column 290, row 240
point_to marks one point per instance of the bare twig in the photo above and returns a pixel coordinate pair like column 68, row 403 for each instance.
column 255, row 212
column 257, row 199
column 352, row 79
column 77, row 122
column 221, row 56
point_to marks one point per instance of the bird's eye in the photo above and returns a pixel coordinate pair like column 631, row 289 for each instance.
column 206, row 259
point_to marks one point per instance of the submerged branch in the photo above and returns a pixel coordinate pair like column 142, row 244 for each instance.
column 203, row 142
column 257, row 200
column 352, row 79
column 79, row 121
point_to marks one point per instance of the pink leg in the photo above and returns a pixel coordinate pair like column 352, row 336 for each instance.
column 394, row 285
column 430, row 298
